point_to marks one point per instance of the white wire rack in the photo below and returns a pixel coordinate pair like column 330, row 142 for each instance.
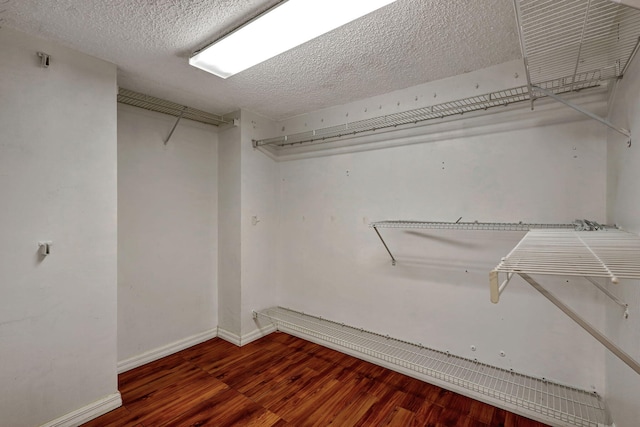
column 567, row 45
column 159, row 105
column 486, row 226
column 561, row 39
column 582, row 224
column 612, row 254
column 438, row 111
column 535, row 397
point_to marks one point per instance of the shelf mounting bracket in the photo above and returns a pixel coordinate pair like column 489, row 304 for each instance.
column 393, row 260
column 173, row 129
column 579, row 109
column 608, row 293
column 612, row 347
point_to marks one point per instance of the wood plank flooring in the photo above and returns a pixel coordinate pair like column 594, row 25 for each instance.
column 281, row 380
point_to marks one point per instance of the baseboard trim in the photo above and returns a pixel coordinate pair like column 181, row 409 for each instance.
column 87, row 413
column 257, row 334
column 160, row 352
column 229, row 336
column 246, row 338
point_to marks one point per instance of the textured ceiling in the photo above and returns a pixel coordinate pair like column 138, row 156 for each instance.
column 404, row 44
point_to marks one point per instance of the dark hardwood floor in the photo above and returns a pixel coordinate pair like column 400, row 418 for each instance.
column 281, row 380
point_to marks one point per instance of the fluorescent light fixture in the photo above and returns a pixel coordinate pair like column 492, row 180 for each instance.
column 283, row 27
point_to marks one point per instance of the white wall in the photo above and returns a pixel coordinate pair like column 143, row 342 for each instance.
column 57, row 182
column 332, row 264
column 167, row 230
column 623, row 384
column 229, row 222
column 248, row 226
column 259, row 219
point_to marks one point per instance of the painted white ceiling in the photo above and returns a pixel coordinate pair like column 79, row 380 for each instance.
column 401, row 45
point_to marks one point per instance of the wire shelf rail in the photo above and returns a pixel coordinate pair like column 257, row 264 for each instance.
column 484, row 226
column 500, row 98
column 613, row 254
column 556, row 403
column 159, row 105
column 567, row 46
column 581, row 224
column 566, row 38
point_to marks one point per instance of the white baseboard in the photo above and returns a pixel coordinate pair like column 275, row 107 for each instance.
column 160, row 352
column 229, row 336
column 87, row 413
column 257, row 334
column 246, row 338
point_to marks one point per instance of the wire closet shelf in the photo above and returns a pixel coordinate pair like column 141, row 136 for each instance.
column 475, row 225
column 159, row 105
column 569, row 37
column 501, row 98
column 567, row 46
column 579, row 224
column 612, row 254
column 557, row 403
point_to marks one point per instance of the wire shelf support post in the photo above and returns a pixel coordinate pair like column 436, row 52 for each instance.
column 393, row 260
column 608, row 293
column 579, row 109
column 173, row 129
column 610, row 345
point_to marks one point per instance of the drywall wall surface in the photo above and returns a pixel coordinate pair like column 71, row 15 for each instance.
column 57, row 183
column 332, row 264
column 259, row 218
column 623, row 384
column 229, row 223
column 167, row 230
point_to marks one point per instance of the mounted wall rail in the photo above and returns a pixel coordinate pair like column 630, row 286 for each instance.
column 612, row 254
column 500, row 98
column 536, row 398
column 159, row 105
column 480, row 226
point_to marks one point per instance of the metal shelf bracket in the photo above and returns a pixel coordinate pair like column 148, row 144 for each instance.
column 173, row 129
column 393, row 260
column 621, row 354
column 615, row 299
column 613, row 254
column 579, row 109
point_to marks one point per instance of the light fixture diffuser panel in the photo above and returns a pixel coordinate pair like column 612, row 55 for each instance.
column 284, row 27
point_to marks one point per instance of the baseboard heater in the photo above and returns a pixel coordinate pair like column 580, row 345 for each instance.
column 536, row 398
